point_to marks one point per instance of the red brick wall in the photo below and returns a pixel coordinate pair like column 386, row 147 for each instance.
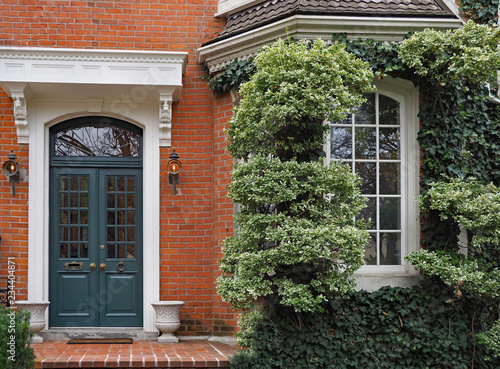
column 193, row 222
column 13, row 210
column 225, row 319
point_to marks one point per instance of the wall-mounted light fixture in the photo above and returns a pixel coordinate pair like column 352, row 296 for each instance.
column 11, row 170
column 174, row 167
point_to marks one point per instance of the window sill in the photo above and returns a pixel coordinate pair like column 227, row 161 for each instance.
column 372, row 282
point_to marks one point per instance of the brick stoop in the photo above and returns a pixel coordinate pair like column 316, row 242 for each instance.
column 140, row 354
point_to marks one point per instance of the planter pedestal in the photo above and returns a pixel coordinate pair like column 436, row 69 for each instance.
column 37, row 316
column 167, row 319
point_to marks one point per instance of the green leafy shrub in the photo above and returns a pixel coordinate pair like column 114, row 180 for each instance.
column 297, row 242
column 420, row 327
column 15, row 337
column 304, row 253
column 470, row 52
column 475, row 207
column 492, row 339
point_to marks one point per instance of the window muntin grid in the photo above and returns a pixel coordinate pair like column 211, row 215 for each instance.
column 370, row 142
column 121, row 216
column 73, row 216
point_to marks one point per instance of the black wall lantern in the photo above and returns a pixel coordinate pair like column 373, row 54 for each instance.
column 174, row 167
column 11, row 170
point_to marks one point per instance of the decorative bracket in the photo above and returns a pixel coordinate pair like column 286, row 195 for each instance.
column 20, row 104
column 20, row 111
column 165, row 119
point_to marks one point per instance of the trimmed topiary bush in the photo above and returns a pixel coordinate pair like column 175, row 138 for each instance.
column 297, row 240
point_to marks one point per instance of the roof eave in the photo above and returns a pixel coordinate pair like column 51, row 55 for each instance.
column 242, row 46
column 226, row 8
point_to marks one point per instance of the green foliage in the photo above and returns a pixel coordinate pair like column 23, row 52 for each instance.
column 492, row 339
column 383, row 57
column 465, row 275
column 231, row 77
column 470, row 52
column 297, row 86
column 390, row 328
column 480, row 11
column 475, row 206
column 458, row 134
column 460, row 128
column 303, row 253
column 297, row 242
column 15, row 336
column 459, row 138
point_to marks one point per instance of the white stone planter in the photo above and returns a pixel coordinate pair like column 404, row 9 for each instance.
column 167, row 319
column 37, row 316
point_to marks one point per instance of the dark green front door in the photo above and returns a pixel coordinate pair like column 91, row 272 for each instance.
column 95, row 240
column 95, row 247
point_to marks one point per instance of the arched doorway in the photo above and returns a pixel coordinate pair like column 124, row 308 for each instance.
column 95, row 223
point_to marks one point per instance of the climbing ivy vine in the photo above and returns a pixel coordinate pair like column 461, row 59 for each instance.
column 231, row 77
column 480, row 11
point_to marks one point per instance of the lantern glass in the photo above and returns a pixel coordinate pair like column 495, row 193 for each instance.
column 174, row 166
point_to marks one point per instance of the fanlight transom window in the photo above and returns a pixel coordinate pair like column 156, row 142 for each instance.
column 97, row 137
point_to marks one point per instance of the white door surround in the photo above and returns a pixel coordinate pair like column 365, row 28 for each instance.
column 49, row 86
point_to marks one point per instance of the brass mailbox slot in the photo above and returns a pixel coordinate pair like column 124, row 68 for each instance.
column 74, row 265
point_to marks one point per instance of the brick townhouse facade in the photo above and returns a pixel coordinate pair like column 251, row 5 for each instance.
column 96, row 95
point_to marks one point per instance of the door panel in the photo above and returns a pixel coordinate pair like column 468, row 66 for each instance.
column 95, row 247
column 122, row 301
column 73, row 289
column 122, row 218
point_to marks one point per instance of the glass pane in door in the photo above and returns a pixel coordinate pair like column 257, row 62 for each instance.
column 121, row 217
column 73, row 217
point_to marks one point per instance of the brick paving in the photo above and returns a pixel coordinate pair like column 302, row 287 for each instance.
column 140, row 354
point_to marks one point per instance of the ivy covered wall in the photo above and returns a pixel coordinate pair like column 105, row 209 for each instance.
column 429, row 326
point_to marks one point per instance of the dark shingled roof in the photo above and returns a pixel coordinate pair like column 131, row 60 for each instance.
column 274, row 10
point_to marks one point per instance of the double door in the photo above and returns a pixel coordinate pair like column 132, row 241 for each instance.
column 95, row 247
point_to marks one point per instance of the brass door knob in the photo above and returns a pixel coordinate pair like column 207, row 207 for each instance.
column 92, row 266
column 102, row 266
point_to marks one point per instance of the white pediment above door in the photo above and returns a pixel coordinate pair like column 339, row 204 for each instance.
column 115, row 76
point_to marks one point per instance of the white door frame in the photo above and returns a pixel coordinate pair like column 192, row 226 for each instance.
column 51, row 85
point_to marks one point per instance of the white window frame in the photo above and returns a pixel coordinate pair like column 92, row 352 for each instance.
column 407, row 95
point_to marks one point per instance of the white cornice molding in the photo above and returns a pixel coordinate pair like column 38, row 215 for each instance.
column 129, row 75
column 221, row 53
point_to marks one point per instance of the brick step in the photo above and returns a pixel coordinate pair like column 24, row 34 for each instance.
column 140, row 354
